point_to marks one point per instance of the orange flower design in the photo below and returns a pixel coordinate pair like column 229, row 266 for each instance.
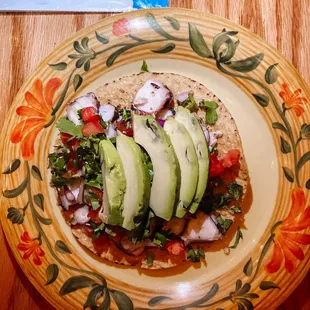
column 120, row 27
column 31, row 247
column 38, row 113
column 292, row 100
column 286, row 238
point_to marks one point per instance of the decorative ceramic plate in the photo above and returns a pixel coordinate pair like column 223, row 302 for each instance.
column 268, row 100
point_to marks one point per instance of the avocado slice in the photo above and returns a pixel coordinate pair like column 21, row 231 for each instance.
column 187, row 157
column 137, row 195
column 114, row 184
column 152, row 137
column 191, row 123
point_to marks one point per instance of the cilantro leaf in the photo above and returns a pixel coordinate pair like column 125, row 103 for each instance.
column 201, row 253
column 191, row 255
column 190, row 103
column 209, row 104
column 236, row 209
column 66, row 126
column 239, row 236
column 160, row 239
column 211, row 116
column 144, row 67
column 235, row 190
column 150, row 258
column 125, row 114
column 224, row 223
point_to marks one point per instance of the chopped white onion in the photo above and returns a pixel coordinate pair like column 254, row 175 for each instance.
column 111, row 132
column 183, row 96
column 214, row 135
column 107, row 112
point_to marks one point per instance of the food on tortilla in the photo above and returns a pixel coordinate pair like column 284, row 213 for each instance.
column 148, row 166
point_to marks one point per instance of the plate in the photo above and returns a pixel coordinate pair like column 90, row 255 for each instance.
column 270, row 103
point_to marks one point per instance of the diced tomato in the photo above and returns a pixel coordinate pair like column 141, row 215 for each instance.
column 94, row 216
column 102, row 239
column 125, row 128
column 216, row 166
column 92, row 128
column 65, row 137
column 71, row 166
column 231, row 158
column 175, row 247
column 73, row 144
column 90, row 114
column 97, row 192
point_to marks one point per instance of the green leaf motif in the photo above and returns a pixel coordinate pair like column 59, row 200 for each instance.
column 219, row 40
column 61, row 247
column 246, row 304
column 93, row 297
column 165, row 49
column 59, row 66
column 308, row 184
column 277, row 125
column 246, row 288
column 87, row 65
column 175, row 24
column 81, row 61
column 251, row 295
column 44, row 220
column 248, row 268
column 52, row 272
column 262, row 99
column 213, row 291
column 106, row 301
column 12, row 193
column 197, row 42
column 150, row 18
column 84, row 42
column 39, row 201
column 246, row 65
column 271, row 74
column 285, row 146
column 75, row 283
column 263, row 254
column 157, row 300
column 267, row 285
column 77, row 82
column 14, row 165
column 101, row 38
column 15, row 216
column 288, row 174
column 117, row 53
column 304, row 158
column 36, row 173
column 230, row 51
column 238, row 285
column 144, row 67
column 122, row 300
column 78, row 48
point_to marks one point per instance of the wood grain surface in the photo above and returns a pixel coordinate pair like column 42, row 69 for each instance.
column 27, row 38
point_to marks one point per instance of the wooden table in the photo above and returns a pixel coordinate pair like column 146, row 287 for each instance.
column 27, row 38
